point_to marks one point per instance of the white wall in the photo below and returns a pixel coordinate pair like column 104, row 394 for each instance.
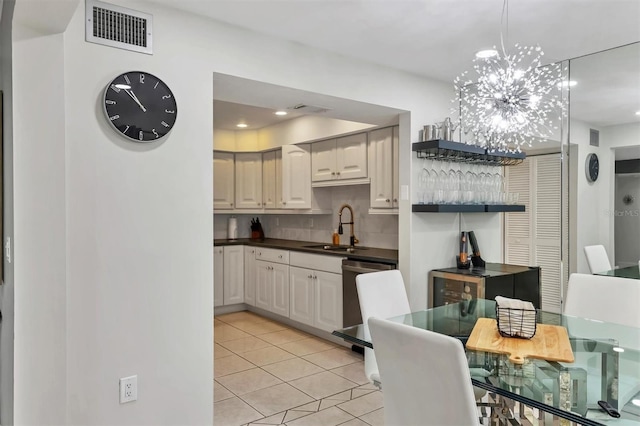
column 7, row 288
column 373, row 230
column 40, row 238
column 302, row 129
column 114, row 239
column 614, row 137
column 595, row 200
column 627, row 220
column 590, row 209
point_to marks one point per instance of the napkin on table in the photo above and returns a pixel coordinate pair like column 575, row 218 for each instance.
column 519, row 313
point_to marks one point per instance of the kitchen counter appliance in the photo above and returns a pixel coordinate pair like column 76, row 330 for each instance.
column 350, row 304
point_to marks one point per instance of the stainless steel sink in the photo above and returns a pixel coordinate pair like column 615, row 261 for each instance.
column 329, row 247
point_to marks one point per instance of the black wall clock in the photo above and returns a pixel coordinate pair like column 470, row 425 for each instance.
column 140, row 106
column 592, row 167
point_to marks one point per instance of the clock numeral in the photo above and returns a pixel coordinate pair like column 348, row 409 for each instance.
column 166, row 96
column 114, row 117
column 155, row 133
column 140, row 135
column 126, row 78
column 110, row 102
column 125, row 130
column 115, row 89
column 142, row 78
column 164, row 124
column 169, row 112
column 156, row 85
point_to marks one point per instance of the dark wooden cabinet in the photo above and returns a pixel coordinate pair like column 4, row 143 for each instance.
column 452, row 285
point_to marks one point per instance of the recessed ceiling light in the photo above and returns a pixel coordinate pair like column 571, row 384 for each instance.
column 637, row 112
column 242, row 125
column 636, row 402
column 281, row 112
column 618, row 349
column 486, row 53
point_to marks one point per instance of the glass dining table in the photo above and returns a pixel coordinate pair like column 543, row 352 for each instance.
column 606, row 367
column 628, row 272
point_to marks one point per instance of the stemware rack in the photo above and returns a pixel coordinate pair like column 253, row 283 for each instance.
column 458, row 152
column 444, row 150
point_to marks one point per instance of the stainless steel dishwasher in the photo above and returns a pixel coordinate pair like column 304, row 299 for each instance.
column 350, row 304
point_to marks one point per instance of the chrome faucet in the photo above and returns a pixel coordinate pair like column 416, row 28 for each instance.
column 352, row 238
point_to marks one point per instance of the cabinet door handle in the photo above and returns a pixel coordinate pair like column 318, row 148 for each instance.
column 230, row 204
column 388, row 200
column 253, row 251
column 395, row 200
column 280, row 256
column 315, row 278
column 338, row 173
column 333, row 173
column 309, row 276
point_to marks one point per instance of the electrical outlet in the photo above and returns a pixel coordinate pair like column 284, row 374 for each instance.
column 128, row 389
column 277, row 221
column 311, row 223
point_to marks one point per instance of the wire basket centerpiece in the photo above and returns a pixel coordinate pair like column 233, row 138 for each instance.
column 515, row 318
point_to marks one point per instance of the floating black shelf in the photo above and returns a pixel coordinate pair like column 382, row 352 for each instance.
column 466, row 208
column 439, row 149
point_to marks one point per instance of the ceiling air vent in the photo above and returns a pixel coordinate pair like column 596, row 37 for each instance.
column 310, row 109
column 116, row 26
column 594, row 137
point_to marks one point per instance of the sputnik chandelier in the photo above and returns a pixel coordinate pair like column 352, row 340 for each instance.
column 513, row 100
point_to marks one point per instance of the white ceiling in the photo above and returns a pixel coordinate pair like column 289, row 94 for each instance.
column 432, row 38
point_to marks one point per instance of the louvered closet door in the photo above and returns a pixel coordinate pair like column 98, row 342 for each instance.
column 547, row 239
column 518, row 225
column 533, row 237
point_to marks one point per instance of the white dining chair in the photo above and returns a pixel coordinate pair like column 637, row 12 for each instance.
column 425, row 375
column 597, row 258
column 383, row 295
column 610, row 299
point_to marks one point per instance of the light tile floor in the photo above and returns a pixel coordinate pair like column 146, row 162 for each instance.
column 267, row 373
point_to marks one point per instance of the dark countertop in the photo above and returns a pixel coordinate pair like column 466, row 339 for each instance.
column 370, row 254
column 490, row 270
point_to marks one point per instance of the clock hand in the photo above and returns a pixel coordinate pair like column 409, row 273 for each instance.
column 135, row 98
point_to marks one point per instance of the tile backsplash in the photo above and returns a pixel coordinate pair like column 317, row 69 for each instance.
column 373, row 230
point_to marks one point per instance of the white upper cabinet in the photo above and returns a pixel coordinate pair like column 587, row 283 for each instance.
column 223, row 180
column 296, row 177
column 336, row 160
column 323, row 160
column 271, row 179
column 248, row 180
column 383, row 167
column 351, row 156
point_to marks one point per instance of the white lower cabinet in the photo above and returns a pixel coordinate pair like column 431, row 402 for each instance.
column 228, row 275
column 250, row 275
column 218, row 276
column 233, row 275
column 327, row 311
column 316, row 295
column 301, row 295
column 272, row 287
column 315, row 298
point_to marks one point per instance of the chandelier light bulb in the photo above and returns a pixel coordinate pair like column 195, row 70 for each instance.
column 486, row 53
column 512, row 99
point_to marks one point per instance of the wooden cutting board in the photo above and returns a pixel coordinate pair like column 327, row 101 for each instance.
column 551, row 342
